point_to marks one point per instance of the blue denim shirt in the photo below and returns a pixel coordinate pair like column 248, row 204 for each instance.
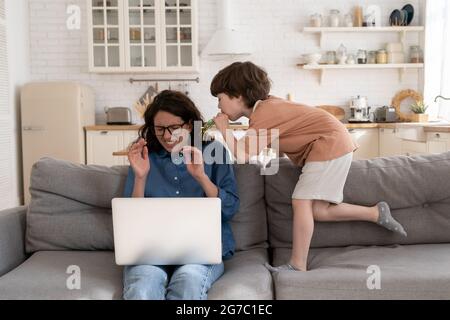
column 169, row 179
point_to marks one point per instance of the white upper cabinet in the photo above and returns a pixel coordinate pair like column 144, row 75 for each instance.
column 143, row 36
column 106, row 43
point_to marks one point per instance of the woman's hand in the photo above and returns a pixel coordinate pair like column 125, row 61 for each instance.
column 221, row 121
column 138, row 157
column 194, row 162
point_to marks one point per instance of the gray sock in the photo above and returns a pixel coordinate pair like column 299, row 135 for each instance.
column 387, row 221
column 283, row 267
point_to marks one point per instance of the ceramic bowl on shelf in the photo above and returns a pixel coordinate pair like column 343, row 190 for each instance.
column 410, row 13
column 312, row 59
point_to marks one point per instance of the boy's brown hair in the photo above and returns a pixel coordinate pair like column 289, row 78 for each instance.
column 242, row 79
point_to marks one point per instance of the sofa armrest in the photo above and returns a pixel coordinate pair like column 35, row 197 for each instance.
column 12, row 238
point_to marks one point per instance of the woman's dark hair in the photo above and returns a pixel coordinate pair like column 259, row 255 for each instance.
column 242, row 79
column 175, row 103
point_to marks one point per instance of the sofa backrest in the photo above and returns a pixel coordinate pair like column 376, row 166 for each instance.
column 70, row 206
column 416, row 188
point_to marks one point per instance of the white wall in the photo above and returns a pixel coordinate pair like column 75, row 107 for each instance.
column 17, row 13
column 271, row 26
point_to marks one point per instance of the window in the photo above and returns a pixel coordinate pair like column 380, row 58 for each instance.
column 437, row 60
column 444, row 105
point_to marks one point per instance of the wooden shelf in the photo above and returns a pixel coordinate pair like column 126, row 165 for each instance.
column 323, row 67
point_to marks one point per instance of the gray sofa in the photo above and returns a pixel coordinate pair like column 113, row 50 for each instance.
column 68, row 222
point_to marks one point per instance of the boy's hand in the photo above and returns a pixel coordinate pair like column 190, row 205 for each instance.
column 221, row 121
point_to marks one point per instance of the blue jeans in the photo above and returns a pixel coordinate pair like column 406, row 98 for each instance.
column 186, row 282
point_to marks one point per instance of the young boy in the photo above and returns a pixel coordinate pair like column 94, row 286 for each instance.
column 312, row 138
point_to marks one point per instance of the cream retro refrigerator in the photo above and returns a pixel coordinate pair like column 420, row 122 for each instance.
column 53, row 118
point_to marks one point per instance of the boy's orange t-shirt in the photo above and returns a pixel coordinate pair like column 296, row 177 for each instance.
column 305, row 133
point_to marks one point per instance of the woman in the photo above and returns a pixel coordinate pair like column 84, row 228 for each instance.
column 154, row 173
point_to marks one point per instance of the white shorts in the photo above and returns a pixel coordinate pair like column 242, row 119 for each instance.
column 324, row 180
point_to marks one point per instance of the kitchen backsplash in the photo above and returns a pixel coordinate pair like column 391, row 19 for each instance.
column 273, row 27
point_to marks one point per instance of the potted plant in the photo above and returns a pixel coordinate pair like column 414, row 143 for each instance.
column 419, row 108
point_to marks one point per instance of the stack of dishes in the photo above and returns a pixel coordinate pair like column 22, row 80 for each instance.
column 402, row 17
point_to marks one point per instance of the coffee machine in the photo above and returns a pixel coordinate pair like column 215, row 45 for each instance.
column 359, row 111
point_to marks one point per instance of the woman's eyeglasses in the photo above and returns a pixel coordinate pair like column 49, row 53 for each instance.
column 160, row 130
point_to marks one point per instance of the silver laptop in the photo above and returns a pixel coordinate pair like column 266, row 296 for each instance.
column 167, row 231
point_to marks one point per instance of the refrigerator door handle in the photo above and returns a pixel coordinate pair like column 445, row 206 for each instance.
column 33, row 128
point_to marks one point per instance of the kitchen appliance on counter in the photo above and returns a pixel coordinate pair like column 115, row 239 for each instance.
column 386, row 114
column 359, row 110
column 118, row 116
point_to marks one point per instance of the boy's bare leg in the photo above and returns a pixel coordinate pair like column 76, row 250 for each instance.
column 325, row 211
column 302, row 231
column 379, row 214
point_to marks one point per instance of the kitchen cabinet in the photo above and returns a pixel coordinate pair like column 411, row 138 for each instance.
column 368, row 142
column 413, row 148
column 101, row 145
column 143, row 36
column 103, row 141
column 390, row 144
column 438, row 142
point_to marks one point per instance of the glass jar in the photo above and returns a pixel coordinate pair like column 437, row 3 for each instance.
column 331, row 57
column 362, row 57
column 369, row 20
column 351, row 59
column 381, row 56
column 334, row 18
column 348, row 20
column 415, row 54
column 372, row 57
column 315, row 20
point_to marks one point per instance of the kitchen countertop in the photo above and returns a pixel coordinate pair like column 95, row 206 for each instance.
column 437, row 128
column 427, row 127
column 134, row 127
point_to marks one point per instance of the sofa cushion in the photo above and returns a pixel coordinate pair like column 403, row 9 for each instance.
column 245, row 278
column 405, row 272
column 45, row 275
column 417, row 189
column 250, row 222
column 70, row 206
